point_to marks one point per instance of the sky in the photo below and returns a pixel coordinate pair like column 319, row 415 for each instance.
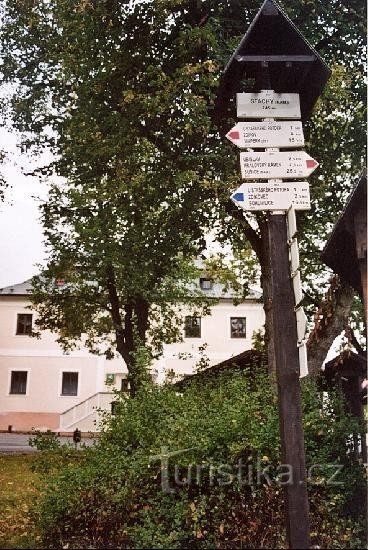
column 21, row 237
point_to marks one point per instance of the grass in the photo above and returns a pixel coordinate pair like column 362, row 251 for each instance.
column 18, row 490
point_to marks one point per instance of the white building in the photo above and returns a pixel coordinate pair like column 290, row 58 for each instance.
column 42, row 387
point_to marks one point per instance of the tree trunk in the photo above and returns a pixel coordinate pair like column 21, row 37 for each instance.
column 135, row 317
column 261, row 246
column 330, row 319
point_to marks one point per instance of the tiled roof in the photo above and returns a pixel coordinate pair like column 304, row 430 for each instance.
column 216, row 291
column 20, row 289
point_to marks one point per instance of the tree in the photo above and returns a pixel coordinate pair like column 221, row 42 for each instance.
column 331, row 316
column 121, row 97
column 113, row 280
column 124, row 93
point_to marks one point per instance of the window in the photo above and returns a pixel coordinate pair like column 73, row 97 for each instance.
column 24, row 323
column 205, row 284
column 238, row 327
column 69, row 385
column 18, row 382
column 110, row 379
column 192, row 327
column 124, row 387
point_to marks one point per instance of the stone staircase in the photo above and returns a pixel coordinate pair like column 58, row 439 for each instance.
column 86, row 415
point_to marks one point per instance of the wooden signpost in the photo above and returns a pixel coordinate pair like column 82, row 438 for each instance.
column 289, row 320
column 275, row 55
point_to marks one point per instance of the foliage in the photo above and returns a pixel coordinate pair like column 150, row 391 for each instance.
column 133, row 139
column 236, row 272
column 116, row 497
column 123, row 95
column 3, row 182
column 258, row 342
column 336, row 133
column 44, row 441
column 54, row 454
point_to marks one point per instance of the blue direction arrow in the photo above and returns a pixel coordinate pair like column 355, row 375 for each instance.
column 238, row 197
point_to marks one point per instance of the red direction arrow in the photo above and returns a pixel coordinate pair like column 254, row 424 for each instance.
column 233, row 135
column 311, row 163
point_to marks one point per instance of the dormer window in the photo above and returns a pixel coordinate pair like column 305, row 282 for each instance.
column 205, row 284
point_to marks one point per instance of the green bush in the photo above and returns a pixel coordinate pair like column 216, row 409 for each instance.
column 44, row 441
column 117, row 495
column 54, row 454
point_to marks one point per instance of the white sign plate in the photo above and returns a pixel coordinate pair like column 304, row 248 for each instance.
column 303, row 361
column 294, row 255
column 278, row 164
column 268, row 104
column 262, row 196
column 272, row 196
column 301, row 323
column 279, row 133
column 291, row 219
column 297, row 286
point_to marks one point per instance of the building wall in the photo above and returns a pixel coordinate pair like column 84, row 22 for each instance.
column 45, row 362
column 216, row 335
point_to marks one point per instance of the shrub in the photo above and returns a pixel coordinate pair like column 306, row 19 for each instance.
column 54, row 454
column 44, row 441
column 123, row 496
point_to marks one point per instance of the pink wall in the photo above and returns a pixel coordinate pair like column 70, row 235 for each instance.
column 26, row 421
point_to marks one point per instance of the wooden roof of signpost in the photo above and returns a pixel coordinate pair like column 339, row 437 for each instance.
column 294, row 66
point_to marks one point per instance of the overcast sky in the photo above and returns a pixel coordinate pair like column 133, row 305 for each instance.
column 21, row 239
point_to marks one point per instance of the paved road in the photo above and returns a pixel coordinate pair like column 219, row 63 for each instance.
column 11, row 443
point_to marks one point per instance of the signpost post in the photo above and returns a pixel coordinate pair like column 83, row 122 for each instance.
column 285, row 69
column 289, row 324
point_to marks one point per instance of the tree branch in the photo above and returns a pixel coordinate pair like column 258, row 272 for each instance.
column 330, row 320
column 351, row 337
column 250, row 233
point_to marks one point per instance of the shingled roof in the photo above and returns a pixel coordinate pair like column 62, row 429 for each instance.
column 244, row 361
column 340, row 252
